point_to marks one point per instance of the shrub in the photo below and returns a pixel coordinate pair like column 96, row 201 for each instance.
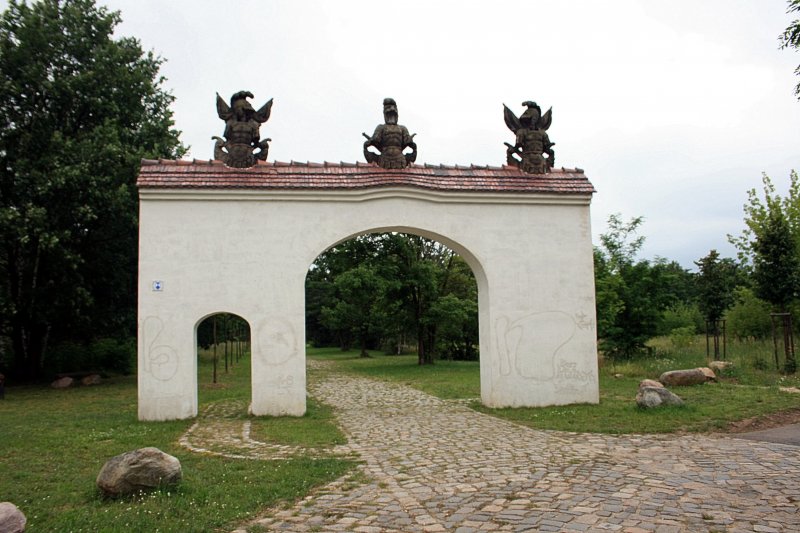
column 760, row 363
column 114, row 355
column 749, row 316
column 682, row 337
column 105, row 354
column 681, row 316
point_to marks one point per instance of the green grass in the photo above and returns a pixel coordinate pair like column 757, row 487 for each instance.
column 54, row 443
column 742, row 392
column 753, row 360
column 707, row 407
column 317, row 429
column 445, row 379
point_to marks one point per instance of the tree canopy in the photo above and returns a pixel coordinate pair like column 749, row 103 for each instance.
column 393, row 290
column 80, row 108
column 790, row 38
column 716, row 282
column 633, row 294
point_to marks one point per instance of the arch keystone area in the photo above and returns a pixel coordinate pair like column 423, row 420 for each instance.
column 214, row 237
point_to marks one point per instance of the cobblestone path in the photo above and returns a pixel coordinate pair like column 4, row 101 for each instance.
column 432, row 465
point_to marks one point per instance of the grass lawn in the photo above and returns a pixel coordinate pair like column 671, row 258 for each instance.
column 742, row 392
column 54, row 443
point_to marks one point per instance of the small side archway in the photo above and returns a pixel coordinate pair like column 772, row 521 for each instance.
column 222, row 342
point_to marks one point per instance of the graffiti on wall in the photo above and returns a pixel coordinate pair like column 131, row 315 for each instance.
column 536, row 347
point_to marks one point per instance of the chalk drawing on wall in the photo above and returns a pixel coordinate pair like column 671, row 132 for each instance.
column 535, row 347
column 161, row 360
column 528, row 345
column 277, row 341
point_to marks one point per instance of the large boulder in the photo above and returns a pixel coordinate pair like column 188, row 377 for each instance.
column 694, row 376
column 12, row 520
column 649, row 397
column 142, row 469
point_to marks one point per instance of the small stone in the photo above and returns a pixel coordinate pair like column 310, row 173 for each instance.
column 62, row 383
column 142, row 469
column 91, row 379
column 764, row 529
column 12, row 520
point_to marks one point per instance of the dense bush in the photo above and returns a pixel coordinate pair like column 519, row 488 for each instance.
column 102, row 355
column 749, row 316
column 681, row 316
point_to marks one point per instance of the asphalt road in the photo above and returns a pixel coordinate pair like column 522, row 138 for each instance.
column 782, row 435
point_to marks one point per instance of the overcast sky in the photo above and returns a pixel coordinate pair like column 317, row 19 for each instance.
column 674, row 109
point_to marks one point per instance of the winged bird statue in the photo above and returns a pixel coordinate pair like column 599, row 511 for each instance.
column 532, row 143
column 242, row 146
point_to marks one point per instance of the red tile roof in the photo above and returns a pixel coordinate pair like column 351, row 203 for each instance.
column 183, row 174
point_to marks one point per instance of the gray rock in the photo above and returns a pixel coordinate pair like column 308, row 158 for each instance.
column 142, row 469
column 12, row 520
column 695, row 376
column 649, row 397
column 62, row 383
column 91, row 379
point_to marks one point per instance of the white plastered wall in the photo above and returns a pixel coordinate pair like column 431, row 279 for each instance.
column 248, row 252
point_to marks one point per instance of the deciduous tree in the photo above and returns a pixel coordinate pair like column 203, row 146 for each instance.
column 359, row 305
column 716, row 281
column 79, row 109
column 790, row 38
column 402, row 287
column 756, row 215
column 631, row 293
column 771, row 244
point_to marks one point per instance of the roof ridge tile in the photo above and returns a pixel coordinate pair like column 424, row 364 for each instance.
column 212, row 174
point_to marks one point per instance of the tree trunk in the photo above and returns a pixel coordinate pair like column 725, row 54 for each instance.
column 790, row 365
column 29, row 346
column 420, row 346
column 214, row 375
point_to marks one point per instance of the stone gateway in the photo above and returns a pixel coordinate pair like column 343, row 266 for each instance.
column 240, row 240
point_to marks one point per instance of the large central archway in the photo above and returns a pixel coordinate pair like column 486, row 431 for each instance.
column 373, row 259
column 526, row 238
